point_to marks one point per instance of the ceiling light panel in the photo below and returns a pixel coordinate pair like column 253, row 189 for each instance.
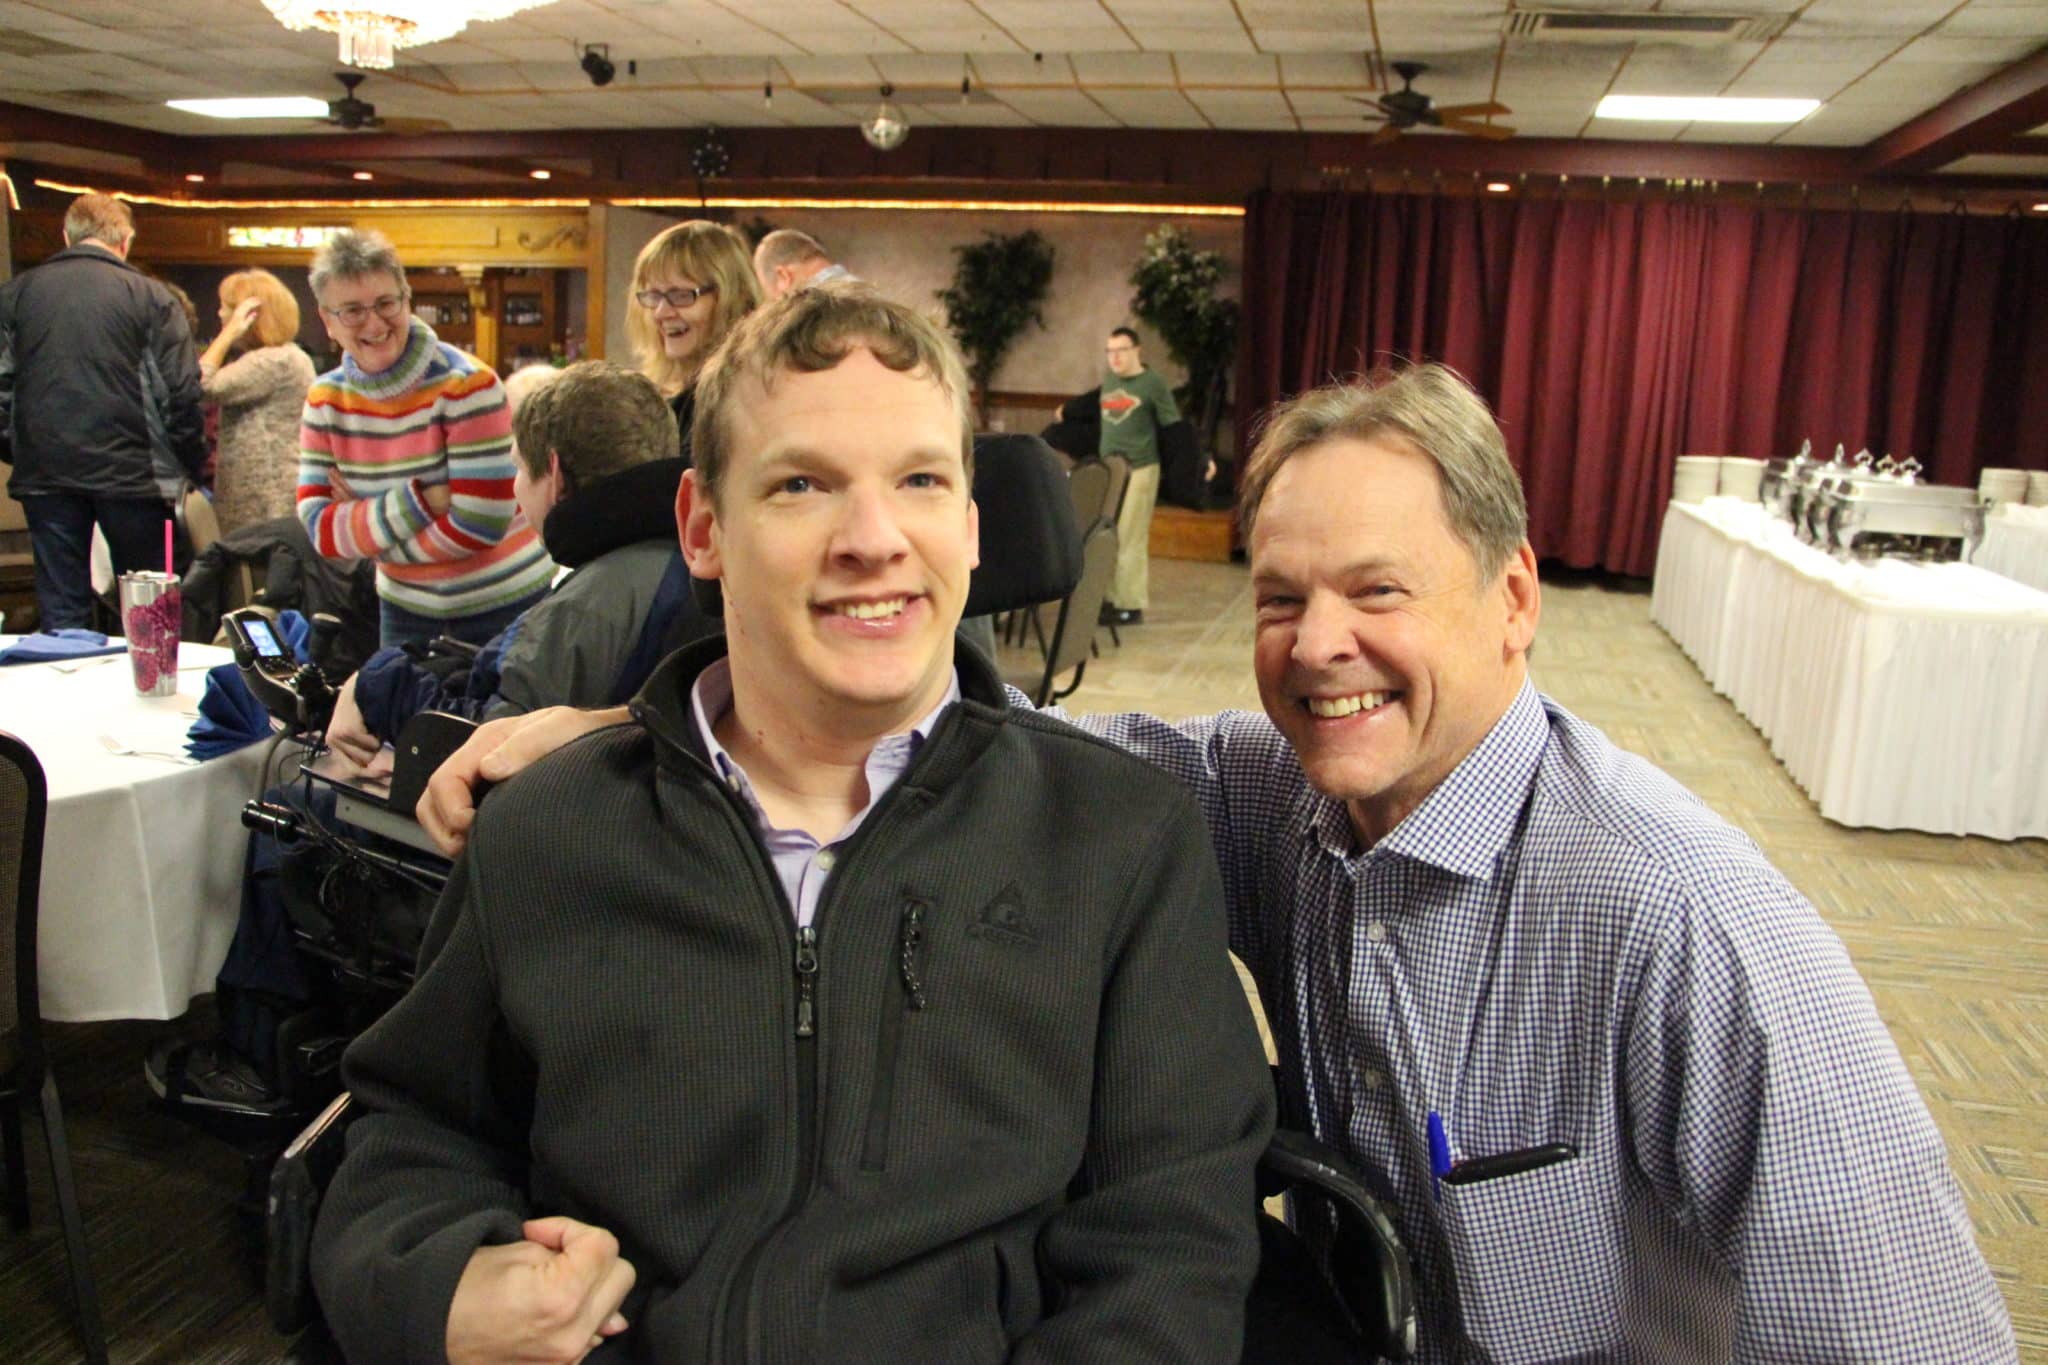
column 277, row 106
column 1690, row 109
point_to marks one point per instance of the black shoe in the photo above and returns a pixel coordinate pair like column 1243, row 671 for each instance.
column 208, row 1076
column 1120, row 616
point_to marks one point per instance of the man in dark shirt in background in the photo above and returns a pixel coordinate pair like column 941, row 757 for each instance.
column 99, row 388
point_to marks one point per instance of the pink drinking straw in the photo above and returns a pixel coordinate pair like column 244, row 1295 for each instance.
column 168, row 571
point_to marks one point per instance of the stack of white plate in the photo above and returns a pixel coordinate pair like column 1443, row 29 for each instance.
column 2003, row 485
column 1698, row 478
column 1741, row 477
column 2037, row 488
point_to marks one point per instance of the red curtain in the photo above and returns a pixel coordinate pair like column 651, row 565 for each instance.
column 1611, row 337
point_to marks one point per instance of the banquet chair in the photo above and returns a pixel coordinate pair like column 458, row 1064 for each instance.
column 24, row 1065
column 1073, row 634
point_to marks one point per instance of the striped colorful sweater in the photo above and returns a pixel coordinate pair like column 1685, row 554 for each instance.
column 369, row 444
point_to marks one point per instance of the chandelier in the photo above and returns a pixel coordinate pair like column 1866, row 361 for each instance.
column 370, row 37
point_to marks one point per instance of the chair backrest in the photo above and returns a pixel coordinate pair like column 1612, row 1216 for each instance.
column 1088, row 485
column 1119, row 480
column 13, row 516
column 196, row 515
column 1073, row 636
column 24, row 807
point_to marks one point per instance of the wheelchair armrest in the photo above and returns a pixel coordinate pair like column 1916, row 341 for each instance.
column 297, row 1183
column 1368, row 1264
column 449, row 645
column 423, row 744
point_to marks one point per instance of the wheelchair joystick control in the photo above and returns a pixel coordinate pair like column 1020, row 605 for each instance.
column 297, row 694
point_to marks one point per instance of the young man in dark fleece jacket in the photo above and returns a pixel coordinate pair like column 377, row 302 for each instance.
column 881, row 1022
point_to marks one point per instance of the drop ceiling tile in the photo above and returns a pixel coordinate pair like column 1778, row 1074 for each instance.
column 1732, row 134
column 1243, row 108
column 1122, row 68
column 1969, row 51
column 1339, row 70
column 1682, row 71
column 920, row 68
column 1999, row 165
column 1326, row 103
column 1000, row 69
column 1059, row 108
column 982, row 116
column 830, row 70
column 986, row 38
column 1179, row 40
column 1214, row 68
column 1151, row 108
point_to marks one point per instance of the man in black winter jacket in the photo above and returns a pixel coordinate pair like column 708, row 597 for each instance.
column 835, row 1010
column 99, row 388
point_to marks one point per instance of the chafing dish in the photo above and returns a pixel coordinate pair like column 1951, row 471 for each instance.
column 1779, row 474
column 1895, row 515
column 1809, row 505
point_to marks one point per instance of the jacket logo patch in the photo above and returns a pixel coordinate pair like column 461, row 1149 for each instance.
column 1005, row 920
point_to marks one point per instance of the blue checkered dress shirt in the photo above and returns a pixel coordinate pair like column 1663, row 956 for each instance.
column 1562, row 945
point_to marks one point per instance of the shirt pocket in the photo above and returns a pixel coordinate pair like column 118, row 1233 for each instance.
column 1533, row 1268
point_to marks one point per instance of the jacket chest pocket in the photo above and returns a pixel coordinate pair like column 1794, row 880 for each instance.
column 1534, row 1263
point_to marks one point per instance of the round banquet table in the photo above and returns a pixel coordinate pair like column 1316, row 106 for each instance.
column 142, row 859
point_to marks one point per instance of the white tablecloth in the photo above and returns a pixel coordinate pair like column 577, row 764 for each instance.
column 2016, row 545
column 1898, row 695
column 142, row 861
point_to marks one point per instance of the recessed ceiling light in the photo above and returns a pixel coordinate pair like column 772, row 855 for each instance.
column 1498, row 187
column 196, row 178
column 541, row 175
column 1703, row 109
column 279, row 106
column 363, row 175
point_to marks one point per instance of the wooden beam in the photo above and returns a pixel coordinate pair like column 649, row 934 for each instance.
column 20, row 123
column 1972, row 120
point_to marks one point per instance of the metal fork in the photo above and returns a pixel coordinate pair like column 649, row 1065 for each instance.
column 116, row 747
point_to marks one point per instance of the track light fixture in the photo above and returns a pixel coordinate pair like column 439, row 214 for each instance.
column 597, row 64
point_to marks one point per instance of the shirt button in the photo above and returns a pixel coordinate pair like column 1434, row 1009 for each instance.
column 733, row 780
column 825, row 860
column 1375, row 932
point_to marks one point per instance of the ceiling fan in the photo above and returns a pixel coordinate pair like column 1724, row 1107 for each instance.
column 355, row 115
column 1408, row 108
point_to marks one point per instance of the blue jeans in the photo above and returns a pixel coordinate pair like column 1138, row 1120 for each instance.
column 60, row 533
column 397, row 626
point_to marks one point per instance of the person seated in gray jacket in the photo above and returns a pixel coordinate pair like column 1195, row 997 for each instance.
column 834, row 1010
column 596, row 474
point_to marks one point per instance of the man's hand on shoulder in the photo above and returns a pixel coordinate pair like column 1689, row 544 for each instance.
column 552, row 1298
column 497, row 750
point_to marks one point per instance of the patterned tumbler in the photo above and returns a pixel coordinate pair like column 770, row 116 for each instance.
column 152, row 617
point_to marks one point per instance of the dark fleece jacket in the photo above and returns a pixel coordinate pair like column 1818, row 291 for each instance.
column 1023, row 1127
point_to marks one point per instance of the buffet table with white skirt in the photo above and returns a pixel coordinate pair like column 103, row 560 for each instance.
column 2016, row 545
column 1897, row 694
column 142, row 859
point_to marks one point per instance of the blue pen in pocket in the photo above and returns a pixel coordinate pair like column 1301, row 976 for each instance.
column 1439, row 1154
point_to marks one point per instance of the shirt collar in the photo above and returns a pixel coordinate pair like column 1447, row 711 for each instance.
column 1470, row 819
column 711, row 698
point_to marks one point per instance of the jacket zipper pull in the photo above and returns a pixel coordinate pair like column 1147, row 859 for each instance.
column 912, row 938
column 806, row 980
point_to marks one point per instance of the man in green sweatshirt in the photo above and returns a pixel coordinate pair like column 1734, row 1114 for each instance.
column 1136, row 405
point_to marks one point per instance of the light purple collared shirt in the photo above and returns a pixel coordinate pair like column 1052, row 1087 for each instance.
column 802, row 863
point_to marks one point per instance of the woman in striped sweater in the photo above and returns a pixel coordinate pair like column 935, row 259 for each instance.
column 405, row 456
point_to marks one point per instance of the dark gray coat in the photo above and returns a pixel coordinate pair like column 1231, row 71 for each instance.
column 99, row 382
column 1024, row 1127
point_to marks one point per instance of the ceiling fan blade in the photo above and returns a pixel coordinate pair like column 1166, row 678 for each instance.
column 1493, row 132
column 1387, row 133
column 1372, row 103
column 1472, row 110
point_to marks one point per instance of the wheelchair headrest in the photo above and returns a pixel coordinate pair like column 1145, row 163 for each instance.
column 1030, row 545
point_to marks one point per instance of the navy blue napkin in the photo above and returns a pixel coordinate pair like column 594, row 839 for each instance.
column 230, row 717
column 69, row 643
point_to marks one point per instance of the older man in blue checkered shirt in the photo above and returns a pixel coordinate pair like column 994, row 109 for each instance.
column 1670, row 1124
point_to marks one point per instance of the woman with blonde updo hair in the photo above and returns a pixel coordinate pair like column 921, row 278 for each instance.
column 690, row 285
column 260, row 392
